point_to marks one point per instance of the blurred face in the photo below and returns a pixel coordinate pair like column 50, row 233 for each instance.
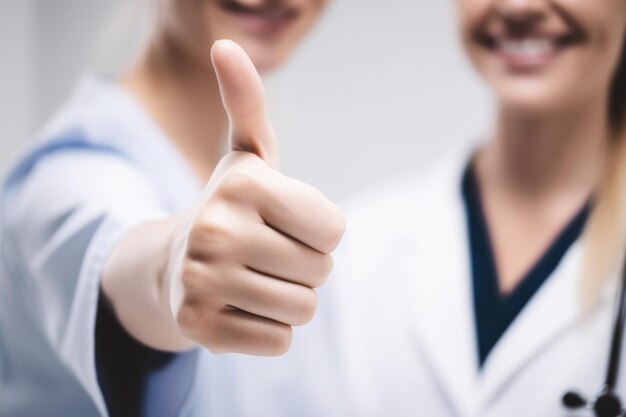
column 267, row 29
column 544, row 54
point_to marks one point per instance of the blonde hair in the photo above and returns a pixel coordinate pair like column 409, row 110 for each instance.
column 605, row 233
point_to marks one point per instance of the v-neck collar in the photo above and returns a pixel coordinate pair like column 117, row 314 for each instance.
column 442, row 299
column 494, row 312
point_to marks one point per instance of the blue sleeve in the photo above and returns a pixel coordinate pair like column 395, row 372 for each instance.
column 64, row 209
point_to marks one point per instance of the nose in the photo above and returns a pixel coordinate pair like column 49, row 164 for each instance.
column 521, row 13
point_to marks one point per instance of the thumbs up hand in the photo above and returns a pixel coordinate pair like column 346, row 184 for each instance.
column 259, row 243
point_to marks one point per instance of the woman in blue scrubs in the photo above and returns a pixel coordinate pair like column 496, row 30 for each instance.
column 141, row 145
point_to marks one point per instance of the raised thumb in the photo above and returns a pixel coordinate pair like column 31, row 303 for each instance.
column 244, row 100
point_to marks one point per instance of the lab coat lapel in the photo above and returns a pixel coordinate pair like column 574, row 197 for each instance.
column 443, row 312
column 549, row 313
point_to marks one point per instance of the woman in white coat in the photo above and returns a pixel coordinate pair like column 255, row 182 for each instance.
column 483, row 286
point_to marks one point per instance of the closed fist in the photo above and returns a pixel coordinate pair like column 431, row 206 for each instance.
column 259, row 243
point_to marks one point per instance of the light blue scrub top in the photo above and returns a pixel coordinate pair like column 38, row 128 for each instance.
column 98, row 169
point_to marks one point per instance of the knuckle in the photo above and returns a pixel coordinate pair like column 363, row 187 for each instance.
column 239, row 182
column 199, row 280
column 204, row 323
column 209, row 236
column 280, row 340
column 190, row 276
column 201, row 291
column 213, row 331
column 187, row 316
column 196, row 316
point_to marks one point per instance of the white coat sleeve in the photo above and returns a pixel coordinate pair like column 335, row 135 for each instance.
column 61, row 221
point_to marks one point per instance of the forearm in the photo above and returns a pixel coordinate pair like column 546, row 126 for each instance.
column 244, row 269
column 135, row 283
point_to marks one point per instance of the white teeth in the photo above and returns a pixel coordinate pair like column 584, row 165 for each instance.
column 527, row 47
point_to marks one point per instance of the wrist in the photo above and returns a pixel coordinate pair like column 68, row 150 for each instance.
column 172, row 254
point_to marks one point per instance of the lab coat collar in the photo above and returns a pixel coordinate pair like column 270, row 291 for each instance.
column 549, row 313
column 443, row 312
column 552, row 311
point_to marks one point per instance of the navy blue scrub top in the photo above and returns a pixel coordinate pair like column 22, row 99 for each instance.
column 494, row 311
column 135, row 380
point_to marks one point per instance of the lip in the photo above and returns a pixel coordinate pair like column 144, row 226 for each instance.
column 265, row 20
column 531, row 51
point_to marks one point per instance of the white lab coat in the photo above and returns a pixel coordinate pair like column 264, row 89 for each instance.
column 394, row 334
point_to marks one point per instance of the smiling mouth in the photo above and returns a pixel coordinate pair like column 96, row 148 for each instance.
column 261, row 20
column 531, row 50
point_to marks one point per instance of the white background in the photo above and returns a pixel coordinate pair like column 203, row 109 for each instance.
column 379, row 88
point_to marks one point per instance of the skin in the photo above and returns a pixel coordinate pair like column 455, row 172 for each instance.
column 173, row 77
column 237, row 270
column 195, row 24
column 550, row 140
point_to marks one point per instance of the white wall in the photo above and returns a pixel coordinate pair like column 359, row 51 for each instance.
column 67, row 31
column 17, row 71
column 44, row 46
column 379, row 88
column 382, row 88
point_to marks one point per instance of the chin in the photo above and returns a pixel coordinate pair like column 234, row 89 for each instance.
column 530, row 97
